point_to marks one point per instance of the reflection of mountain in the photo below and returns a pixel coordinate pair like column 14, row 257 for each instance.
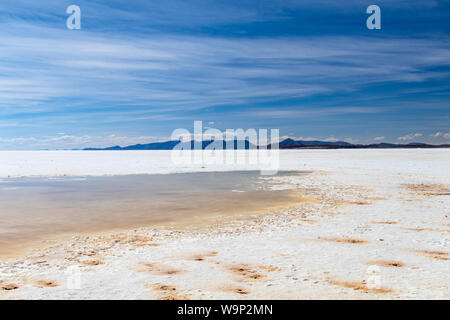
column 285, row 144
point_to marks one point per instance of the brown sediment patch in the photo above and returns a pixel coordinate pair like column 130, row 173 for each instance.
column 134, row 240
column 359, row 188
column 46, row 284
column 309, row 221
column 415, row 229
column 377, row 198
column 344, row 240
column 439, row 255
column 158, row 268
column 245, row 271
column 359, row 203
column 91, row 262
column 308, row 200
column 203, row 256
column 198, row 258
column 9, row 286
column 427, row 229
column 328, row 213
column 169, row 292
column 141, row 241
column 163, row 287
column 90, row 253
column 428, row 189
column 359, row 286
column 270, row 268
column 383, row 222
column 241, row 291
column 232, row 289
column 174, row 297
column 387, row 263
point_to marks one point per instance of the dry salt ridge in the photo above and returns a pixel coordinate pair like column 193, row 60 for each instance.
column 371, row 224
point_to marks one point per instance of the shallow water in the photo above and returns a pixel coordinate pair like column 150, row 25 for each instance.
column 37, row 209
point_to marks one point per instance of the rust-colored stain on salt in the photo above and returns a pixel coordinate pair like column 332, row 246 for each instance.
column 46, row 284
column 158, row 268
column 163, row 287
column 384, row 222
column 438, row 255
column 359, row 203
column 387, row 263
column 91, row 262
column 234, row 289
column 133, row 240
column 249, row 272
column 343, row 240
column 168, row 292
column 203, row 256
column 428, row 189
column 246, row 271
column 360, row 286
column 269, row 268
column 427, row 229
column 9, row 286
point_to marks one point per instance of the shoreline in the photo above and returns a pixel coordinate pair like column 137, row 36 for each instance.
column 68, row 207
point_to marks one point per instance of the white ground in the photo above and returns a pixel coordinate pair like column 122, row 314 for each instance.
column 397, row 201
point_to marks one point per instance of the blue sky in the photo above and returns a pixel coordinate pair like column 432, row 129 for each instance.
column 137, row 70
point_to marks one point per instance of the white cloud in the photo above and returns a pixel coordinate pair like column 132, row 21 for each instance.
column 19, row 140
column 75, row 142
column 379, row 138
column 303, row 112
column 410, row 136
column 440, row 135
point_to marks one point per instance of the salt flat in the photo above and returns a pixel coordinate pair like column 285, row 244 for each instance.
column 79, row 163
column 374, row 224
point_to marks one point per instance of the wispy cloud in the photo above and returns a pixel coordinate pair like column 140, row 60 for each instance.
column 179, row 72
column 440, row 135
column 410, row 136
column 63, row 141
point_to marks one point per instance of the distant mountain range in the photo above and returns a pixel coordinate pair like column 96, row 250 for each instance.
column 285, row 144
column 299, row 144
